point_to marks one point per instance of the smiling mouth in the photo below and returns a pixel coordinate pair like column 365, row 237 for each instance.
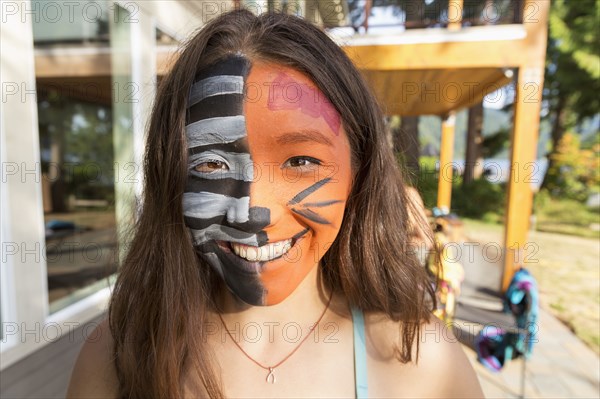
column 265, row 253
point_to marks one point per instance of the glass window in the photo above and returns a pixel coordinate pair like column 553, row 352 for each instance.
column 70, row 22
column 76, row 133
column 78, row 186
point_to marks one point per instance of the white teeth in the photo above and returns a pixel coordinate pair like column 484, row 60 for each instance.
column 264, row 253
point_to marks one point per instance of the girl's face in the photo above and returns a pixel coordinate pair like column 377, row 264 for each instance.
column 269, row 175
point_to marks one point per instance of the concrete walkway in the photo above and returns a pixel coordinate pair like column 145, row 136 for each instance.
column 561, row 366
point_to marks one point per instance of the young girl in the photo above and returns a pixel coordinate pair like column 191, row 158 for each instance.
column 271, row 256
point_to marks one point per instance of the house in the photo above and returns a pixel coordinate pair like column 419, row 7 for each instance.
column 78, row 81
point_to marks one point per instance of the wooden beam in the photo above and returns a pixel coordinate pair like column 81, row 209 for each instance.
column 72, row 62
column 92, row 89
column 524, row 139
column 446, row 158
column 417, row 49
column 88, row 62
column 433, row 91
column 455, row 11
column 502, row 46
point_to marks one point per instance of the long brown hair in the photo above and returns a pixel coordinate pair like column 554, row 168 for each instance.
column 164, row 291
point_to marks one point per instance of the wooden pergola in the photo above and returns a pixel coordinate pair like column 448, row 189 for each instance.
column 435, row 71
column 441, row 70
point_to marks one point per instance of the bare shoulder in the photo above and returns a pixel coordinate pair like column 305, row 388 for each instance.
column 94, row 373
column 441, row 355
column 442, row 369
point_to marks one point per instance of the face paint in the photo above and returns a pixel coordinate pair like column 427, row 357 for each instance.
column 286, row 93
column 263, row 218
column 216, row 202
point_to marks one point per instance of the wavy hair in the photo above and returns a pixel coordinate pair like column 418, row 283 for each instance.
column 164, row 290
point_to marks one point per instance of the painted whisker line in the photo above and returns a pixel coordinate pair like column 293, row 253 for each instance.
column 300, row 234
column 312, row 216
column 321, row 204
column 308, row 191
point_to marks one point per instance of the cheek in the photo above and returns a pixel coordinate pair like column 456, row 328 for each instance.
column 338, row 190
column 325, row 222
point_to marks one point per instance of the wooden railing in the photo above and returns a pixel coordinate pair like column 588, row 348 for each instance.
column 418, row 14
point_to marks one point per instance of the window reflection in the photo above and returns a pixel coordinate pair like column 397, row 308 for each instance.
column 75, row 112
column 70, row 22
column 78, row 189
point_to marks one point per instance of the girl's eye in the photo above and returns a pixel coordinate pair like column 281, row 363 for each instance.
column 301, row 162
column 211, row 166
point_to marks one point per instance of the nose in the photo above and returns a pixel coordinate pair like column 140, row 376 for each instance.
column 254, row 215
column 258, row 219
column 265, row 198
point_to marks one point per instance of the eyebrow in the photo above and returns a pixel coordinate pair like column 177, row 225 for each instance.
column 303, row 136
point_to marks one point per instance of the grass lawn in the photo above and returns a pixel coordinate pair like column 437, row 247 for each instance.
column 566, row 217
column 567, row 269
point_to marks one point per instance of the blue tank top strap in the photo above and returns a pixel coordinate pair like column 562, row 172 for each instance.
column 360, row 353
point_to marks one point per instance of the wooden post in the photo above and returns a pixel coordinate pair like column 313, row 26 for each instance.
column 524, row 140
column 455, row 11
column 368, row 5
column 446, row 158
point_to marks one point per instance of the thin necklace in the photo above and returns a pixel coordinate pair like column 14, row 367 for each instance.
column 271, row 369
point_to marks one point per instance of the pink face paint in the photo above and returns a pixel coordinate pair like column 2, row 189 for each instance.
column 288, row 94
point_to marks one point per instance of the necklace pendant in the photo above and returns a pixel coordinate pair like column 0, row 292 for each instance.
column 271, row 376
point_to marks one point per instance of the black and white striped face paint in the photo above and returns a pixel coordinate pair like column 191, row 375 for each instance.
column 216, row 203
column 263, row 234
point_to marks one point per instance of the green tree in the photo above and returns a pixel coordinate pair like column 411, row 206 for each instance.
column 572, row 80
column 474, row 151
column 78, row 137
column 493, row 144
column 574, row 172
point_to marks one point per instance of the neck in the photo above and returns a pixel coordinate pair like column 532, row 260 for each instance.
column 303, row 306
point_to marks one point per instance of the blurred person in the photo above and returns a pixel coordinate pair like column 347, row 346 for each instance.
column 420, row 235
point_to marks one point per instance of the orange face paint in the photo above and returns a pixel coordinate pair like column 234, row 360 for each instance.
column 294, row 133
